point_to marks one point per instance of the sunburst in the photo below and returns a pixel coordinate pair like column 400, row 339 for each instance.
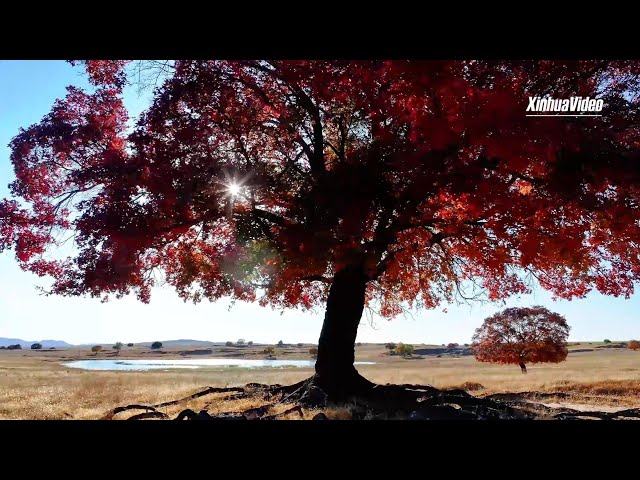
column 234, row 189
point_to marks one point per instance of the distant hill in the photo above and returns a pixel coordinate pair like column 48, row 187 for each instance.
column 5, row 342
column 182, row 343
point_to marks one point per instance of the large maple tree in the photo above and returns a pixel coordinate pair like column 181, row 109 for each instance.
column 343, row 183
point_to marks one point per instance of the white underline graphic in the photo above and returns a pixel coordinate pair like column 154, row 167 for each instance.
column 561, row 115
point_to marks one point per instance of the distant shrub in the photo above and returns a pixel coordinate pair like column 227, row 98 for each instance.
column 453, row 345
column 466, row 344
column 405, row 350
column 633, row 345
column 240, row 341
column 300, row 345
column 280, row 343
column 156, row 345
column 269, row 351
column 606, row 340
column 96, row 348
column 117, row 347
column 228, row 344
column 129, row 344
column 17, row 346
column 250, row 342
column 52, row 348
column 36, row 346
column 359, row 344
column 313, row 351
column 390, row 346
column 472, row 386
column 3, row 348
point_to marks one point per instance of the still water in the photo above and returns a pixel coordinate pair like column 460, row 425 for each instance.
column 183, row 363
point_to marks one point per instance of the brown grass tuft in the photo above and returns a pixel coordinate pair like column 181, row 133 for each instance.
column 472, row 386
column 606, row 387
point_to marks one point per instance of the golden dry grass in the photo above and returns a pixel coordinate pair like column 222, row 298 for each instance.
column 36, row 386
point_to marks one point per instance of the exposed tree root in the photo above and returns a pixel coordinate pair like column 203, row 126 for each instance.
column 189, row 414
column 296, row 409
column 532, row 395
column 371, row 401
column 621, row 414
column 207, row 391
column 142, row 416
column 110, row 414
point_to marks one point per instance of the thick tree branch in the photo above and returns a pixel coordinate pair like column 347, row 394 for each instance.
column 315, row 157
column 316, row 278
column 272, row 217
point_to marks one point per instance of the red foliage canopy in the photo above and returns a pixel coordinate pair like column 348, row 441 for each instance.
column 634, row 345
column 521, row 336
column 428, row 173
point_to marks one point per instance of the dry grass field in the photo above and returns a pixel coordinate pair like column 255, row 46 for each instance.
column 36, row 384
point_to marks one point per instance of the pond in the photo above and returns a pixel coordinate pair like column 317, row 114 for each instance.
column 141, row 365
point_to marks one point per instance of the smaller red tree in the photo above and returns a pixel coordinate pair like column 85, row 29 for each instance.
column 634, row 345
column 522, row 335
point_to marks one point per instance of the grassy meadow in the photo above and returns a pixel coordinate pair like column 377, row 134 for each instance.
column 34, row 384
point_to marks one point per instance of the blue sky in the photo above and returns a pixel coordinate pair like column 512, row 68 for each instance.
column 27, row 91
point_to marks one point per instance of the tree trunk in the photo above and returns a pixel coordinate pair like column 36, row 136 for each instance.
column 335, row 372
column 523, row 367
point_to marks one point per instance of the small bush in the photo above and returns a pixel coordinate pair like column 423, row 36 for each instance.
column 156, row 345
column 280, row 343
column 228, row 344
column 633, row 345
column 452, row 345
column 3, row 348
column 359, row 344
column 390, row 346
column 472, row 386
column 117, row 347
column 269, row 351
column 36, row 346
column 250, row 342
column 606, row 340
column 17, row 346
column 129, row 344
column 466, row 345
column 240, row 342
column 96, row 348
column 405, row 350
column 313, row 351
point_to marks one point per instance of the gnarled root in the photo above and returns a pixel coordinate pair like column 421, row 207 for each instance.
column 367, row 400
